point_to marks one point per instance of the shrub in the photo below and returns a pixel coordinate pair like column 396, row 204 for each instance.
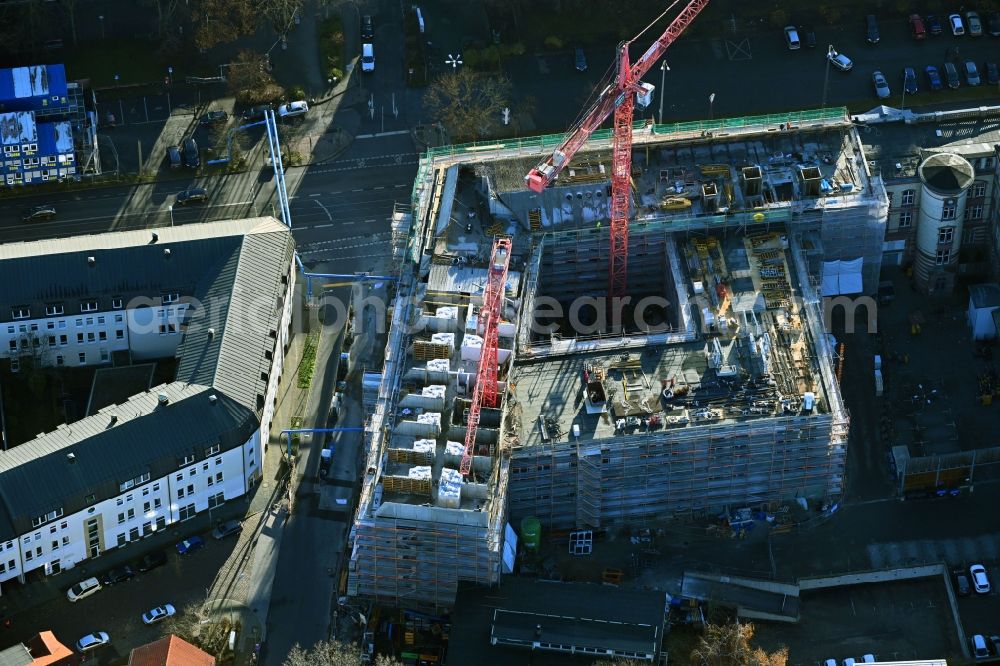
column 553, row 42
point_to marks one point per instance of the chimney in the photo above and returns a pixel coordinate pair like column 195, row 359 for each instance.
column 91, row 261
column 166, row 253
column 71, row 458
column 162, row 399
column 156, row 236
column 212, row 399
column 114, row 419
column 211, row 334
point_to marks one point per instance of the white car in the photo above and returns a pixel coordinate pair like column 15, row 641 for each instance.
column 881, row 85
column 367, row 58
column 293, row 109
column 83, row 589
column 979, row 649
column 792, row 38
column 839, row 60
column 980, row 583
column 91, row 641
column 158, row 613
column 957, row 27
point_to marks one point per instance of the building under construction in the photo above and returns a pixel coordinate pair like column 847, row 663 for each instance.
column 715, row 386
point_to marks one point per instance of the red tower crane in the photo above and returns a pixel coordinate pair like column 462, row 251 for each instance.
column 487, row 325
column 619, row 96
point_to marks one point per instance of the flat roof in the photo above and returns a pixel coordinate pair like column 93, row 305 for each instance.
column 586, row 614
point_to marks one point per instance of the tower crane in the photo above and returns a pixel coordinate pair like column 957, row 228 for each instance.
column 487, row 325
column 619, row 96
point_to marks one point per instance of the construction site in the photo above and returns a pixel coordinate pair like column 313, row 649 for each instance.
column 626, row 338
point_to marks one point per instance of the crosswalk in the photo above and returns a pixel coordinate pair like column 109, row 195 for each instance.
column 984, row 548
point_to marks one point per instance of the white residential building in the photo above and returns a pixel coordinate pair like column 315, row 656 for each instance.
column 216, row 296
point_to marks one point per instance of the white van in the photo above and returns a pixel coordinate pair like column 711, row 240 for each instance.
column 367, row 58
column 83, row 589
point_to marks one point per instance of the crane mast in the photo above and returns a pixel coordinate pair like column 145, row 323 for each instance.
column 619, row 97
column 487, row 326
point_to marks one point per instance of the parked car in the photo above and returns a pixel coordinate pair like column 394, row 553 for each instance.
column 255, row 113
column 35, row 213
column 933, row 24
column 839, row 60
column 979, row 580
column 979, row 649
column 909, row 80
column 174, row 157
column 227, row 529
column 972, row 73
column 580, row 59
column 849, row 661
column 962, row 584
column 917, row 28
column 368, row 57
column 190, row 545
column 809, row 35
column 872, row 32
column 192, row 158
column 881, row 85
column 158, row 614
column 951, row 75
column 194, row 195
column 993, row 24
column 957, row 27
column 367, row 27
column 933, row 77
column 152, row 560
column 995, row 641
column 868, row 659
column 992, row 74
column 792, row 38
column 293, row 109
column 213, row 117
column 118, row 575
column 973, row 24
column 92, row 641
column 83, row 589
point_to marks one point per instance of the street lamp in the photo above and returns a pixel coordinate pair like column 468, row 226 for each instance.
column 171, row 209
column 454, row 61
column 664, row 68
column 711, row 105
column 170, row 75
column 826, row 78
column 101, row 19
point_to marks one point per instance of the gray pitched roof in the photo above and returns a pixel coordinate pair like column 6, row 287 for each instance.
column 236, row 271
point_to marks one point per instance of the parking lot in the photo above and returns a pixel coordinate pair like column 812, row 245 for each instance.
column 894, row 621
column 980, row 613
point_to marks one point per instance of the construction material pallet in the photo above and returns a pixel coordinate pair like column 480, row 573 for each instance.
column 411, row 457
column 425, row 351
column 404, row 484
column 535, row 218
column 775, row 304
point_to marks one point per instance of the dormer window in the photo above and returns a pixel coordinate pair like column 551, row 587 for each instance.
column 22, row 312
column 171, row 298
column 88, row 306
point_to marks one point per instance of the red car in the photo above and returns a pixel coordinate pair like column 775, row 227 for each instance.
column 917, row 27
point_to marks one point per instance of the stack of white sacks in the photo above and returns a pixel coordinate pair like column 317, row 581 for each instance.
column 450, row 489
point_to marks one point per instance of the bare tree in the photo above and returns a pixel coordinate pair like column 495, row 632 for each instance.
column 280, row 12
column 468, row 104
column 249, row 80
column 332, row 653
column 223, row 21
column 729, row 645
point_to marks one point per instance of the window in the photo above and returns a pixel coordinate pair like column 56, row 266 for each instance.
column 157, row 503
column 170, row 298
column 88, row 306
column 12, row 564
column 50, row 325
column 119, row 318
column 28, row 555
column 216, row 499
column 186, row 512
column 119, row 334
column 52, row 530
column 120, row 501
column 90, row 336
column 52, row 341
column 946, row 235
column 62, row 324
column 179, row 478
column 116, row 304
column 55, row 545
column 129, row 497
column 190, row 489
column 193, row 471
column 79, row 323
column 974, row 212
column 146, row 507
column 90, row 499
column 60, row 360
column 204, row 467
column 908, row 197
column 13, row 345
column 218, row 477
column 63, row 525
column 212, row 450
column 51, row 515
column 20, row 313
column 156, row 487
column 102, row 335
column 942, row 257
column 83, row 358
column 121, row 518
column 100, row 320
column 211, row 481
column 122, row 540
column 133, row 534
column 889, row 196
column 90, row 321
column 53, row 310
column 948, row 212
column 218, row 461
column 978, row 189
column 65, row 541
column 79, row 338
column 180, row 493
column 187, row 460
column 63, row 340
